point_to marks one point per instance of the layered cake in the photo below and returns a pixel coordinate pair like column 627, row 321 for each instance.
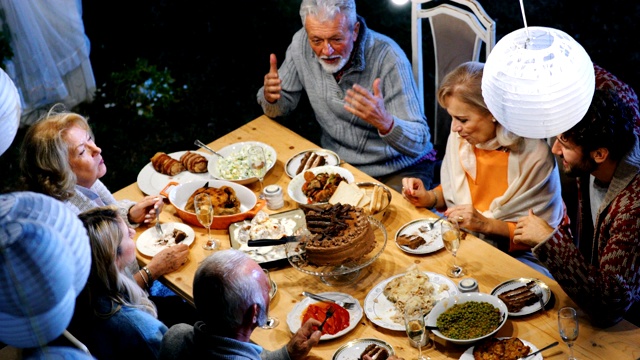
column 341, row 233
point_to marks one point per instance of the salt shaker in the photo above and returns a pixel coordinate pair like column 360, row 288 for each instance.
column 468, row 285
column 273, row 194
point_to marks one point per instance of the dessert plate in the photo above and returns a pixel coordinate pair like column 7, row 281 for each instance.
column 380, row 310
column 294, row 318
column 353, row 349
column 515, row 283
column 152, row 182
column 294, row 162
column 147, row 243
column 234, row 167
column 419, row 227
column 468, row 355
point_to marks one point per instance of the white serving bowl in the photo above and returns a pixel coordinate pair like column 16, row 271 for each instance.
column 295, row 185
column 236, row 148
column 445, row 304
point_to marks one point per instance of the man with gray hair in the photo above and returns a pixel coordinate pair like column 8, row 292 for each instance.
column 361, row 87
column 231, row 294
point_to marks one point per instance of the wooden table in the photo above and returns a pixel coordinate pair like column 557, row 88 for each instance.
column 480, row 260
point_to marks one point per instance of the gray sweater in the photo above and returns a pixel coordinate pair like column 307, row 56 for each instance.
column 356, row 141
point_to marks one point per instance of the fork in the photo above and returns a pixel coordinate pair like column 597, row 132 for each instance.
column 158, row 225
column 346, row 305
column 537, row 289
column 432, row 225
column 329, row 314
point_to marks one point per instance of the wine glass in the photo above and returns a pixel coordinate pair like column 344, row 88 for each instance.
column 450, row 232
column 204, row 213
column 258, row 163
column 568, row 327
column 414, row 324
column 271, row 320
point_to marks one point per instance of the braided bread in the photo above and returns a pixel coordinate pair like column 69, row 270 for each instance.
column 194, row 162
column 167, row 165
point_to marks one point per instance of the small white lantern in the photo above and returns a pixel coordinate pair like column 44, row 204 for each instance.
column 538, row 82
column 9, row 111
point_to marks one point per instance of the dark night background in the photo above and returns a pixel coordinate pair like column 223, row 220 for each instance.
column 217, row 54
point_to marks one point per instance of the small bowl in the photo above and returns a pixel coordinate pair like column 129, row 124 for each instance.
column 368, row 188
column 445, row 304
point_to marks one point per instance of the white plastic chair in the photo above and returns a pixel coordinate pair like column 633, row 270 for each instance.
column 459, row 28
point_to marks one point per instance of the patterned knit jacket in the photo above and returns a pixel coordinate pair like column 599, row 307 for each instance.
column 603, row 275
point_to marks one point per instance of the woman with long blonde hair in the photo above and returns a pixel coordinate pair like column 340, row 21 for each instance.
column 114, row 316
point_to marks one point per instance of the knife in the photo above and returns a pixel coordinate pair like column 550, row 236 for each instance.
column 271, row 242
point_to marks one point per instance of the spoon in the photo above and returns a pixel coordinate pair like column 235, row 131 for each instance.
column 539, row 351
column 203, row 145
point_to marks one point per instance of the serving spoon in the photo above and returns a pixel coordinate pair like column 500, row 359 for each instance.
column 203, row 145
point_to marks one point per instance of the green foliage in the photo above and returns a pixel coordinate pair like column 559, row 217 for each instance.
column 143, row 90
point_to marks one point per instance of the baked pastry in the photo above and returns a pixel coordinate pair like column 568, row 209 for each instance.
column 194, row 162
column 376, row 352
column 167, row 165
column 310, row 160
column 223, row 199
column 500, row 349
column 519, row 297
column 411, row 241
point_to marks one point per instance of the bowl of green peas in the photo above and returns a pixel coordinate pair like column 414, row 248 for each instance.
column 467, row 317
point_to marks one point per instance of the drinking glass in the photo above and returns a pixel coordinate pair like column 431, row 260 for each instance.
column 451, row 238
column 414, row 324
column 204, row 213
column 271, row 320
column 568, row 327
column 258, row 163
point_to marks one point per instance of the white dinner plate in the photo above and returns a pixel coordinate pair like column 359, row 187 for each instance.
column 380, row 310
column 468, row 355
column 152, row 182
column 353, row 349
column 294, row 162
column 233, row 155
column 147, row 243
column 418, row 227
column 294, row 318
column 295, row 185
column 515, row 283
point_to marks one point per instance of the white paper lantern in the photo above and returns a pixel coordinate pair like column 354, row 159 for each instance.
column 9, row 111
column 538, row 82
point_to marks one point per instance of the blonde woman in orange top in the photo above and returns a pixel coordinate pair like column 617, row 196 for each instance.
column 490, row 177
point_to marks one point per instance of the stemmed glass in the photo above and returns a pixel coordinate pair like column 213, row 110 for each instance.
column 271, row 320
column 257, row 162
column 450, row 232
column 568, row 327
column 204, row 213
column 414, row 324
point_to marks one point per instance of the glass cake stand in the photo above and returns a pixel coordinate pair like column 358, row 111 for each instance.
column 343, row 274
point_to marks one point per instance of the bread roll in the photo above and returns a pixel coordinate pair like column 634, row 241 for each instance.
column 167, row 165
column 194, row 162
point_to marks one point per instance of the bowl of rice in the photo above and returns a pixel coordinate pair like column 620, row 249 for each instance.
column 468, row 317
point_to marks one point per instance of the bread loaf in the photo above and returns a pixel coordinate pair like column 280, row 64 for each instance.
column 194, row 162
column 167, row 165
